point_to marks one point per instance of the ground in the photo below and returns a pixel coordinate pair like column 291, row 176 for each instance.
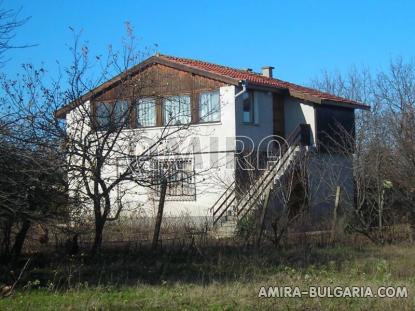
column 205, row 278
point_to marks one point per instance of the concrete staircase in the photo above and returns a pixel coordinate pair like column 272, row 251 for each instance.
column 229, row 210
column 227, row 227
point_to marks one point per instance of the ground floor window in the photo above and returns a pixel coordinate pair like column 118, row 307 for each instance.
column 180, row 178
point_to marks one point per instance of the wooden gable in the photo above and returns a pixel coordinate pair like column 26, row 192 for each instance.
column 159, row 80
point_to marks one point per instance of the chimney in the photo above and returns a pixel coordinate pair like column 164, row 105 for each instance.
column 267, row 71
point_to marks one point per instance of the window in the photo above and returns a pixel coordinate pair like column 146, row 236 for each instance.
column 146, row 112
column 110, row 114
column 250, row 107
column 177, row 110
column 209, row 107
column 121, row 116
column 103, row 115
column 180, row 178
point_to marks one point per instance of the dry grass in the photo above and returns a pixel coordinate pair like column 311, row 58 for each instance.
column 219, row 277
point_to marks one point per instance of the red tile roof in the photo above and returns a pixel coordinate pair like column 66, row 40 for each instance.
column 258, row 79
column 226, row 73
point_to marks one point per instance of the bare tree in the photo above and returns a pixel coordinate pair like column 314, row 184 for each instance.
column 383, row 155
column 108, row 153
column 9, row 23
column 31, row 185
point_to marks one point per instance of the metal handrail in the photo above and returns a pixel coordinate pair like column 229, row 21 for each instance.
column 255, row 194
column 218, row 200
column 284, row 158
column 292, row 140
column 224, row 210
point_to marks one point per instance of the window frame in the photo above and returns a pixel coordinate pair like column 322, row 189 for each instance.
column 254, row 110
column 199, row 107
column 112, row 124
column 181, row 183
column 163, row 108
column 136, row 112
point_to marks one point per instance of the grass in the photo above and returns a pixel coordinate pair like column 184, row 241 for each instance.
column 212, row 279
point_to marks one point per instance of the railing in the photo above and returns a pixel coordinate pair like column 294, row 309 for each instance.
column 222, row 205
column 301, row 136
column 253, row 194
column 263, row 184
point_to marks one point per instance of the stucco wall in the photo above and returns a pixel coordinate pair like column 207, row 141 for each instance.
column 210, row 146
column 264, row 127
column 297, row 112
column 214, row 145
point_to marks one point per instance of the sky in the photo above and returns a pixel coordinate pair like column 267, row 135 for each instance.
column 298, row 38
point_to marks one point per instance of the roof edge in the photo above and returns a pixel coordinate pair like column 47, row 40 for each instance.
column 152, row 60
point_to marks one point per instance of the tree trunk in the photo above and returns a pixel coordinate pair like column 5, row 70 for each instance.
column 159, row 214
column 99, row 228
column 6, row 242
column 20, row 239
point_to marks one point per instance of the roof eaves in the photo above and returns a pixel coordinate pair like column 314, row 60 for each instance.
column 265, row 87
column 61, row 112
column 304, row 96
column 346, row 104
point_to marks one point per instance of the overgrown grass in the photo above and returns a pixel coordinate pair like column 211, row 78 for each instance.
column 215, row 278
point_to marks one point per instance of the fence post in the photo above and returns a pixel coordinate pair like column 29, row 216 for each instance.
column 262, row 217
column 336, row 207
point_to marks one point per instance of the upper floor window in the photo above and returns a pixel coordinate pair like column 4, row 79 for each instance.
column 121, row 113
column 103, row 115
column 177, row 110
column 146, row 112
column 111, row 114
column 209, row 106
column 250, row 107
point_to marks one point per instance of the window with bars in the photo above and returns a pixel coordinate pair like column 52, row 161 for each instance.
column 180, row 178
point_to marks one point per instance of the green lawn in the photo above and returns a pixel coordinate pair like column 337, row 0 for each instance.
column 237, row 289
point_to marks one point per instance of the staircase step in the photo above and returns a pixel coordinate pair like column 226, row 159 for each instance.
column 226, row 226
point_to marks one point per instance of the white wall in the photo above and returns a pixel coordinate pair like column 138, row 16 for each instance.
column 265, row 127
column 297, row 112
column 214, row 165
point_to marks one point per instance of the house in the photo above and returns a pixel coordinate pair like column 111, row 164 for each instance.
column 222, row 113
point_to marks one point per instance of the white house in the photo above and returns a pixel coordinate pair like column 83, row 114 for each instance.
column 223, row 112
